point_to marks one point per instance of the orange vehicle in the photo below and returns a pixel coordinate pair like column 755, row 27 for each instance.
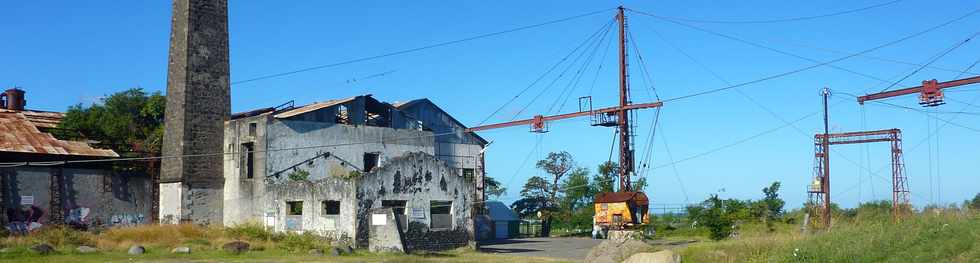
column 621, row 210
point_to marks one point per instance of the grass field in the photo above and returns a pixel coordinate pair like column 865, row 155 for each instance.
column 930, row 237
column 205, row 244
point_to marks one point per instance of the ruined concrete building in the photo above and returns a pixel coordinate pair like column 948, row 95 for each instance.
column 40, row 189
column 323, row 167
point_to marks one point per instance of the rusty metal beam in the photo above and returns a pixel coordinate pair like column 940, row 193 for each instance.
column 917, row 89
column 656, row 104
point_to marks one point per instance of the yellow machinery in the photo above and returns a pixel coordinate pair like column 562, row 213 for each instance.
column 621, row 210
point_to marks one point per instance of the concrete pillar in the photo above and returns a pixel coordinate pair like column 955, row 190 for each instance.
column 198, row 103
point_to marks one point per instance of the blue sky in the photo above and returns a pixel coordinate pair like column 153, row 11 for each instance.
column 69, row 52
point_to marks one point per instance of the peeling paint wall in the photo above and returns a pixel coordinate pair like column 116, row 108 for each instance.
column 312, row 194
column 418, row 179
column 243, row 196
column 344, row 142
column 111, row 198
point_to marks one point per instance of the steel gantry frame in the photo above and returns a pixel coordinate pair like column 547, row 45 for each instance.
column 819, row 198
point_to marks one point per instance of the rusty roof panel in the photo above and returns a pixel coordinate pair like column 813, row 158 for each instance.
column 619, row 197
column 18, row 133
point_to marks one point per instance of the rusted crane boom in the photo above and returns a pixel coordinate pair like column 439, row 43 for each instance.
column 537, row 122
column 930, row 93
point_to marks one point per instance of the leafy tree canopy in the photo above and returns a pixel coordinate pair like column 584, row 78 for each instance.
column 129, row 122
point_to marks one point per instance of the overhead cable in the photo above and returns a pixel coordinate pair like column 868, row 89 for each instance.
column 781, row 20
column 404, row 51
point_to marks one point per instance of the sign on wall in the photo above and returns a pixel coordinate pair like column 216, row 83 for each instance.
column 379, row 219
column 27, row 200
column 418, row 213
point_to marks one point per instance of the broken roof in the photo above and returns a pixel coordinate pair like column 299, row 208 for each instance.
column 403, row 105
column 19, row 134
column 313, row 107
column 619, row 197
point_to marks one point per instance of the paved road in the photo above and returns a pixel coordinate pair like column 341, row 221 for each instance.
column 564, row 248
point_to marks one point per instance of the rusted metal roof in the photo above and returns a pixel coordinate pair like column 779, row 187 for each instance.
column 41, row 119
column 313, row 107
column 618, row 197
column 19, row 133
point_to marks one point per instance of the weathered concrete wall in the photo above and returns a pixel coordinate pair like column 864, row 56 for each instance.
column 419, row 178
column 384, row 235
column 244, row 198
column 112, row 199
column 312, row 194
column 346, row 142
column 198, row 103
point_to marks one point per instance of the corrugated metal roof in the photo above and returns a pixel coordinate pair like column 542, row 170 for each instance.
column 619, row 197
column 19, row 133
column 312, row 107
column 41, row 119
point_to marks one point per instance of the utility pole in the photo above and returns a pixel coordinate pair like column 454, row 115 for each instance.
column 825, row 185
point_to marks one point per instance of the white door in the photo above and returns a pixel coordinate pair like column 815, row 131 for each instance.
column 501, row 230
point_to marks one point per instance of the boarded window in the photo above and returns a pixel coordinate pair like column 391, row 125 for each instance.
column 370, row 161
column 330, row 207
column 398, row 208
column 294, row 208
column 252, row 128
column 248, row 160
column 440, row 213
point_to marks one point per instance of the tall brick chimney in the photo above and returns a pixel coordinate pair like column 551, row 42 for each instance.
column 198, row 104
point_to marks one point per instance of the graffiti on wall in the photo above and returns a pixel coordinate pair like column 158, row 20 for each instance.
column 126, row 219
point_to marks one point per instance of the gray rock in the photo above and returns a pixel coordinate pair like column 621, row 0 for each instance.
column 42, row 249
column 181, row 250
column 334, row 251
column 611, row 251
column 236, row 247
column 137, row 250
column 664, row 256
column 316, row 252
column 86, row 249
column 347, row 249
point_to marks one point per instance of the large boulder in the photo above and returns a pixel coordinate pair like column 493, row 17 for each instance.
column 236, row 247
column 137, row 250
column 42, row 249
column 85, row 249
column 181, row 250
column 611, row 251
column 664, row 256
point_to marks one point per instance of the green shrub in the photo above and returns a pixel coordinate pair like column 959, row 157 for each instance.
column 251, row 231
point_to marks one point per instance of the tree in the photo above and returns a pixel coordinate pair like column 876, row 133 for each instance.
column 715, row 218
column 534, row 198
column 128, row 122
column 639, row 184
column 975, row 203
column 772, row 200
column 605, row 179
column 494, row 188
column 576, row 189
column 556, row 165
